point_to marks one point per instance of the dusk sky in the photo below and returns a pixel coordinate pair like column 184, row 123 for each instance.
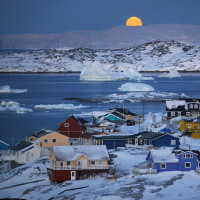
column 59, row 16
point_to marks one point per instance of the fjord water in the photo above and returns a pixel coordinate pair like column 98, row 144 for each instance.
column 69, row 89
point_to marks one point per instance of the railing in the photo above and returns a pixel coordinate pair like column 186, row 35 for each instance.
column 144, row 171
column 76, row 167
column 198, row 169
column 8, row 157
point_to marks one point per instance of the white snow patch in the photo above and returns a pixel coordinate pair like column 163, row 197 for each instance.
column 7, row 89
column 136, row 87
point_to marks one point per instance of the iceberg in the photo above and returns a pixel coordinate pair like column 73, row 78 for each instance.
column 136, row 87
column 105, row 72
column 172, row 74
column 13, row 106
column 7, row 89
column 58, row 106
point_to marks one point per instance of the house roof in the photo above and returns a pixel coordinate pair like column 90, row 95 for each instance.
column 21, row 146
column 163, row 155
column 112, row 137
column 80, row 121
column 4, row 143
column 72, row 153
column 89, row 134
column 176, row 104
column 41, row 133
column 123, row 111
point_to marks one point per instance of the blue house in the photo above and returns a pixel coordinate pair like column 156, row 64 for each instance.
column 4, row 146
column 140, row 139
column 168, row 160
column 155, row 139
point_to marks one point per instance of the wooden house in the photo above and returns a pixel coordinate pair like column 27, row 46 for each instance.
column 183, row 107
column 24, row 152
column 191, row 127
column 73, row 162
column 168, row 160
column 52, row 139
column 141, row 139
column 72, row 127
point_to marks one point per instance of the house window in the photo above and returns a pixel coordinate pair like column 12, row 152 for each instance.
column 68, row 163
column 150, row 142
column 45, row 140
column 99, row 142
column 79, row 162
column 196, row 106
column 54, row 140
column 61, row 164
column 187, row 114
column 189, row 125
column 173, row 142
column 140, row 141
column 66, row 124
column 179, row 114
column 162, row 165
column 100, row 162
column 188, row 165
column 92, row 162
column 145, row 142
column 191, row 106
column 129, row 141
column 199, row 164
column 173, row 114
column 31, row 155
column 52, row 162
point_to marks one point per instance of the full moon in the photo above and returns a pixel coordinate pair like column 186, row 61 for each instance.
column 134, row 21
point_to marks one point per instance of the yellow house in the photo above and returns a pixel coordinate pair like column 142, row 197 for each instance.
column 191, row 127
column 68, row 162
column 52, row 139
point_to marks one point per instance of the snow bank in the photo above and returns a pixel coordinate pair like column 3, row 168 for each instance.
column 136, row 87
column 58, row 106
column 104, row 72
column 13, row 107
column 7, row 89
column 172, row 74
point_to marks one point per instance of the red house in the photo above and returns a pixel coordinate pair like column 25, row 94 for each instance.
column 73, row 127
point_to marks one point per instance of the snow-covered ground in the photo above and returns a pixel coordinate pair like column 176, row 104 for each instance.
column 30, row 181
column 153, row 56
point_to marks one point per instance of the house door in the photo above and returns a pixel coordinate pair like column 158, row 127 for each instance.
column 136, row 142
column 73, row 175
column 84, row 164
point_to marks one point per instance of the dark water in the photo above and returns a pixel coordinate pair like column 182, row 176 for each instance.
column 55, row 88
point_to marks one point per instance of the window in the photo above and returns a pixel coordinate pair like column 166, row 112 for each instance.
column 196, row 106
column 129, row 141
column 179, row 114
column 173, row 142
column 52, row 162
column 92, row 162
column 188, row 165
column 66, row 124
column 54, row 140
column 187, row 114
column 199, row 164
column 191, row 106
column 79, row 162
column 173, row 114
column 188, row 155
column 140, row 141
column 145, row 142
column 100, row 162
column 162, row 165
column 68, row 163
column 99, row 142
column 150, row 142
column 61, row 164
column 189, row 125
column 45, row 140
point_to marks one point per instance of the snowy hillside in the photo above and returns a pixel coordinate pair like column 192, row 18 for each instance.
column 152, row 56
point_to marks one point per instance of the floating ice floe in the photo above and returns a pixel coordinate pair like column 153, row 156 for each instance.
column 7, row 89
column 142, row 96
column 58, row 106
column 102, row 72
column 172, row 74
column 141, row 87
column 13, row 107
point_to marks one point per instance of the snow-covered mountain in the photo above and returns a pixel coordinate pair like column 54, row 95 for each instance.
column 151, row 56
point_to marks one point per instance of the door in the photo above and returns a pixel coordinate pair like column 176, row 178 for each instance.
column 84, row 164
column 136, row 141
column 73, row 175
